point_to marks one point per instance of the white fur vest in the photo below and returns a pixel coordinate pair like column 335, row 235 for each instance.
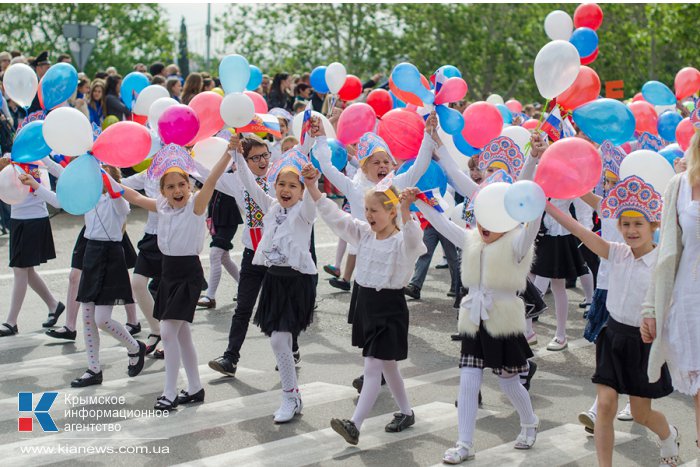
column 493, row 277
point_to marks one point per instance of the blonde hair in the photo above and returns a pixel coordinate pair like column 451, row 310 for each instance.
column 693, row 159
column 178, row 172
column 385, row 201
column 289, row 139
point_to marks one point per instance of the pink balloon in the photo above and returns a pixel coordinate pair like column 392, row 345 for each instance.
column 402, row 130
column 569, row 168
column 684, row 133
column 258, row 102
column 206, row 106
column 452, row 90
column 514, row 106
column 178, row 124
column 482, row 123
column 530, row 124
column 638, row 97
column 123, row 144
column 355, row 121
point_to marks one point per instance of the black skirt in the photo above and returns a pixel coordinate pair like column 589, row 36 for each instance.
column 380, row 323
column 149, row 262
column 509, row 354
column 222, row 237
column 534, row 304
column 105, row 278
column 287, row 299
column 558, row 257
column 621, row 360
column 353, row 302
column 179, row 288
column 76, row 261
column 31, row 242
column 129, row 251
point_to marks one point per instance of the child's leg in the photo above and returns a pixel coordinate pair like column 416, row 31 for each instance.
column 39, row 286
column 652, row 419
column 529, row 330
column 19, row 291
column 281, row 343
column 697, row 418
column 215, row 256
column 72, row 306
column 340, row 252
column 139, row 285
column 230, row 266
column 349, row 267
column 92, row 338
column 561, row 304
column 468, row 402
column 189, row 358
column 370, row 390
column 520, row 398
column 542, row 283
column 393, row 378
column 169, row 331
column 604, row 430
column 587, row 285
column 131, row 317
column 103, row 318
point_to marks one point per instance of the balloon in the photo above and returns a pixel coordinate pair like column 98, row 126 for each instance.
column 525, row 201
column 141, row 166
column 590, row 59
column 80, row 186
column 355, row 121
column 407, row 78
column 686, row 83
column 482, row 123
column 447, row 140
column 123, row 144
column 671, row 153
column 58, row 85
column 318, row 80
column 530, row 124
column 352, row 88
column 585, row 89
column 514, row 106
column 442, row 74
column 505, row 113
column 556, row 68
column 644, row 116
column 684, row 132
column 255, row 79
column 450, row 119
column 68, row 131
column 667, row 124
column 140, row 119
column 519, row 135
column 12, row 191
column 178, row 124
column 298, row 121
column 569, row 168
column 638, row 97
column 558, row 25
column 157, row 109
column 219, row 91
column 585, row 40
column 604, row 119
column 658, row 93
column 663, row 108
column 156, row 143
column 408, row 97
column 234, row 73
column 259, row 103
column 588, row 15
column 237, row 110
column 21, row 84
column 648, row 165
column 29, row 144
column 132, row 85
column 490, row 211
column 462, row 145
column 494, row 99
column 339, row 156
column 208, row 151
column 147, row 97
column 380, row 100
column 335, row 77
column 434, row 177
column 206, row 105
column 108, row 121
column 452, row 90
column 402, row 130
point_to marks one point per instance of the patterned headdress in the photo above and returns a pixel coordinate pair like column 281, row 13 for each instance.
column 648, row 141
column 633, row 197
column 370, row 144
column 504, row 154
column 612, row 158
column 171, row 158
column 695, row 118
column 384, row 186
column 292, row 160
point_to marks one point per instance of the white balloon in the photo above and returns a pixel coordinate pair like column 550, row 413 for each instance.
column 299, row 119
column 558, row 25
column 490, row 210
column 519, row 135
column 335, row 77
column 20, row 84
column 648, row 165
column 456, row 215
column 209, row 150
column 556, row 67
column 12, row 191
column 237, row 109
column 663, row 108
column 157, row 109
column 495, row 99
column 68, row 131
column 461, row 160
column 147, row 97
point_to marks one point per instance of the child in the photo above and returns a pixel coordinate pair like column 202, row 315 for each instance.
column 385, row 260
column 621, row 355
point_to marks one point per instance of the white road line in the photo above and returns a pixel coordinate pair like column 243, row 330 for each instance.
column 693, row 463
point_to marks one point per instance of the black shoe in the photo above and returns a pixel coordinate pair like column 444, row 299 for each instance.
column 442, row 266
column 346, row 429
column 151, row 348
column 133, row 328
column 185, row 398
column 358, row 382
column 136, row 368
column 164, row 404
column 456, row 337
column 67, row 334
column 93, row 379
column 339, row 284
column 400, row 422
column 8, row 330
column 584, row 304
column 530, row 373
column 53, row 317
column 159, row 354
column 451, row 293
column 223, row 365
column 412, row 291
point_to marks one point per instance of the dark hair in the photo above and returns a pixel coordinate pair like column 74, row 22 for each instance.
column 100, row 75
column 156, row 68
column 194, row 84
column 83, row 82
column 111, row 84
column 158, row 79
column 277, row 82
column 62, row 58
column 250, row 142
column 301, row 87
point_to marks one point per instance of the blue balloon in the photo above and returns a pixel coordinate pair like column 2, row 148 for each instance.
column 318, row 80
column 80, row 186
column 407, row 78
column 658, row 93
column 462, row 145
column 398, row 103
column 672, row 152
column 255, row 79
column 505, row 113
column 234, row 73
column 339, row 156
column 58, row 85
column 667, row 123
column 132, row 85
column 451, row 121
column 525, row 201
column 434, row 177
column 29, row 144
column 604, row 119
column 585, row 40
column 449, row 71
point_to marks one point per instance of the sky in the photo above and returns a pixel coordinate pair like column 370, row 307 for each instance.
column 196, row 19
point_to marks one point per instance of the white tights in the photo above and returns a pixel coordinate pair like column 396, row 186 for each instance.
column 372, row 384
column 100, row 316
column 178, row 344
column 281, row 343
column 340, row 252
column 219, row 257
column 24, row 277
column 139, row 285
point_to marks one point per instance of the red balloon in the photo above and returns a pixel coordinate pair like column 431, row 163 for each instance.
column 407, row 97
column 380, row 100
column 258, row 102
column 645, row 117
column 638, row 97
column 514, row 106
column 402, row 130
column 585, row 89
column 452, row 90
column 352, row 89
column 482, row 123
column 123, row 144
column 588, row 15
column 140, row 119
column 590, row 59
column 355, row 121
column 569, row 168
column 684, row 132
column 206, row 105
column 530, row 124
column 687, row 82
column 178, row 124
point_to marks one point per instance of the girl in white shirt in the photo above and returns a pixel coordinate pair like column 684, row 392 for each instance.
column 621, row 355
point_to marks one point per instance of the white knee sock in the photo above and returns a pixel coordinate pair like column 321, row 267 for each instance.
column 519, row 397
column 393, row 378
column 39, row 286
column 131, row 313
column 139, row 285
column 189, row 358
column 529, row 330
column 72, row 306
column 370, row 390
column 281, row 343
column 230, row 266
column 215, row 255
column 561, row 305
column 587, row 285
column 594, row 407
column 340, row 252
column 468, row 402
column 103, row 318
column 92, row 337
column 169, row 331
column 19, row 291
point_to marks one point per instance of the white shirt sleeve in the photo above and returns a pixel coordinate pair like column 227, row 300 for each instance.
column 48, row 196
column 413, row 239
column 464, row 185
column 135, row 182
column 425, row 154
column 337, row 178
column 308, row 207
column 454, row 233
column 121, row 206
column 263, row 200
column 525, row 239
column 341, row 223
column 54, row 169
column 528, row 172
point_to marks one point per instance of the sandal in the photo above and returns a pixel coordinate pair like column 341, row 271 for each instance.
column 151, row 348
column 9, row 330
column 458, row 454
column 53, row 317
column 673, row 460
column 206, row 302
column 332, row 270
column 523, row 441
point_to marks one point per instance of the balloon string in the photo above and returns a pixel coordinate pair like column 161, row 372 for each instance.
column 537, row 128
column 331, row 105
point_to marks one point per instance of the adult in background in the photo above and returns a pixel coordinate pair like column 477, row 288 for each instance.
column 174, row 87
column 41, row 65
column 280, row 92
column 193, row 86
column 112, row 103
column 95, row 102
column 64, row 58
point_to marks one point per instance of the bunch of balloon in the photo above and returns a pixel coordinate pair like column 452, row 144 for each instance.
column 588, row 17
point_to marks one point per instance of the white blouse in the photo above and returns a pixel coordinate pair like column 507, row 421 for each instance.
column 152, row 188
column 105, row 221
column 34, row 205
column 629, row 280
column 180, row 231
column 609, row 232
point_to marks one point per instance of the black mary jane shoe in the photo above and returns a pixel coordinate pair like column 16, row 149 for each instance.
column 66, row 334
column 53, row 317
column 159, row 354
column 133, row 328
column 164, row 404
column 93, row 379
column 151, row 348
column 8, row 330
column 136, row 368
column 185, row 398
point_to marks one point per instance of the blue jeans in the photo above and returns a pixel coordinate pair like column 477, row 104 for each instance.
column 431, row 237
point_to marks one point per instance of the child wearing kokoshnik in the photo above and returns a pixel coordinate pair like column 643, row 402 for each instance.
column 386, row 255
column 181, row 233
column 621, row 355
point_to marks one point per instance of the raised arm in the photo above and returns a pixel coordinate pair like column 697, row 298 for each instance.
column 525, row 239
column 137, row 199
column 412, row 233
column 454, row 233
column 54, row 169
column 461, row 182
column 46, row 195
column 539, row 145
column 263, row 200
column 202, row 199
column 337, row 178
column 431, row 142
column 592, row 200
column 595, row 243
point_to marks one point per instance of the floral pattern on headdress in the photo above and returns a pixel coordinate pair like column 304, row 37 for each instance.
column 369, row 144
column 502, row 149
column 633, row 194
column 171, row 156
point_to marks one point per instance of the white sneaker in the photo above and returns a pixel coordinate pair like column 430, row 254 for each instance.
column 625, row 414
column 291, row 406
column 554, row 345
column 587, row 419
column 458, row 454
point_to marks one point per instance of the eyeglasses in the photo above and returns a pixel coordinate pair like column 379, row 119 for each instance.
column 256, row 158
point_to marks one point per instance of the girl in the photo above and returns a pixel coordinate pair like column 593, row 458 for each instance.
column 621, row 355
column 174, row 87
column 386, row 256
column 181, row 232
column 193, row 86
column 95, row 102
column 113, row 105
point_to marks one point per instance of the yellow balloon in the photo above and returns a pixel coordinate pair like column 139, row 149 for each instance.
column 109, row 120
column 219, row 91
column 141, row 166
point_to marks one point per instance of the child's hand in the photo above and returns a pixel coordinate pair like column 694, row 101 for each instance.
column 28, row 180
column 352, row 150
column 310, row 173
column 335, row 116
column 539, row 145
column 234, row 144
column 680, row 165
column 431, row 127
column 408, row 196
column 317, row 128
column 648, row 330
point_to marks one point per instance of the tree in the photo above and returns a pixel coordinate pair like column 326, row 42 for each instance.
column 183, row 61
